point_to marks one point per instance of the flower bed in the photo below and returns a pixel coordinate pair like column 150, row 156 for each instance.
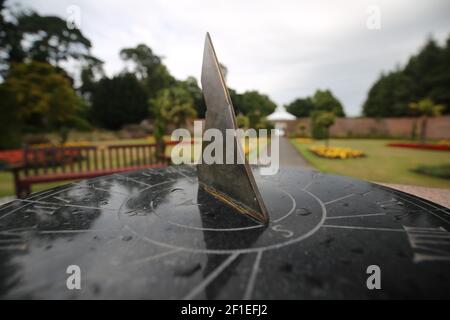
column 336, row 152
column 12, row 156
column 426, row 146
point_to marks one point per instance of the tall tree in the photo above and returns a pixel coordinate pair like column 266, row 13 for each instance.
column 171, row 106
column 301, row 107
column 321, row 123
column 119, row 101
column 324, row 100
column 389, row 96
column 148, row 68
column 426, row 75
column 191, row 85
column 252, row 104
column 27, row 35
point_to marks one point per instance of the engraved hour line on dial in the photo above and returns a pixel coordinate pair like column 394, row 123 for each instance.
column 429, row 244
column 46, row 203
column 127, row 178
column 59, row 205
column 338, row 199
column 427, row 210
column 252, row 280
column 358, row 216
column 47, row 193
column 184, row 175
column 99, row 189
column 153, row 257
column 308, row 184
column 361, row 228
column 211, row 276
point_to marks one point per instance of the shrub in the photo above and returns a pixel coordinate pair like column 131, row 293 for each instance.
column 439, row 171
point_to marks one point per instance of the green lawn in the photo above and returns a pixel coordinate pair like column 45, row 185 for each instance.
column 382, row 164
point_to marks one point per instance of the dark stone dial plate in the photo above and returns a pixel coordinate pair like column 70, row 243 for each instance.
column 153, row 234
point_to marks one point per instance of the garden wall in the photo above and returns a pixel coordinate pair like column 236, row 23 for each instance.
column 438, row 128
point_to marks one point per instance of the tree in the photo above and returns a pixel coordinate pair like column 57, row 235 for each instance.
column 148, row 68
column 10, row 124
column 325, row 101
column 242, row 121
column 224, row 70
column 301, row 107
column 389, row 96
column 252, row 104
column 171, row 106
column 10, row 41
column 89, row 76
column 426, row 108
column 321, row 122
column 118, row 101
column 42, row 98
column 322, row 100
column 191, row 85
column 26, row 35
column 426, row 75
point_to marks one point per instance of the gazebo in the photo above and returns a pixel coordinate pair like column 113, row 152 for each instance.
column 279, row 118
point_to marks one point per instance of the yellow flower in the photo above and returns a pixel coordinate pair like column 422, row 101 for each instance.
column 335, row 152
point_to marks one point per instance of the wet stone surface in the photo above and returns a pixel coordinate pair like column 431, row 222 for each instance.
column 152, row 234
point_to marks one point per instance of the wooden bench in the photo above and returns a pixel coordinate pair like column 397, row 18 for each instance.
column 51, row 164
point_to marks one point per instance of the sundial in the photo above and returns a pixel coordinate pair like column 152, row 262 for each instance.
column 160, row 234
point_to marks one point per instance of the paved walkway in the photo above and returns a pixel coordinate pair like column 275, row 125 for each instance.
column 290, row 157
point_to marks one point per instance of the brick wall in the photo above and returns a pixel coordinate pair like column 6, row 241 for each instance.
column 438, row 128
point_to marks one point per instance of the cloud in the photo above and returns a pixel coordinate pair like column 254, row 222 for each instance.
column 286, row 49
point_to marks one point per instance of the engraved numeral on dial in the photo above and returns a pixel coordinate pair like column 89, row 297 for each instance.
column 429, row 244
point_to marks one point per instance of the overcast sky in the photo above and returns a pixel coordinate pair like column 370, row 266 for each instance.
column 286, row 49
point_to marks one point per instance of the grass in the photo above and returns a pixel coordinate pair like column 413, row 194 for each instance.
column 382, row 163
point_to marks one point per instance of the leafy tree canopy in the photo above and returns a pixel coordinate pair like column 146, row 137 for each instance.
column 171, row 106
column 252, row 104
column 148, row 68
column 301, row 107
column 322, row 100
column 191, row 85
column 27, row 35
column 426, row 75
column 42, row 97
column 174, row 105
column 118, row 101
column 325, row 101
